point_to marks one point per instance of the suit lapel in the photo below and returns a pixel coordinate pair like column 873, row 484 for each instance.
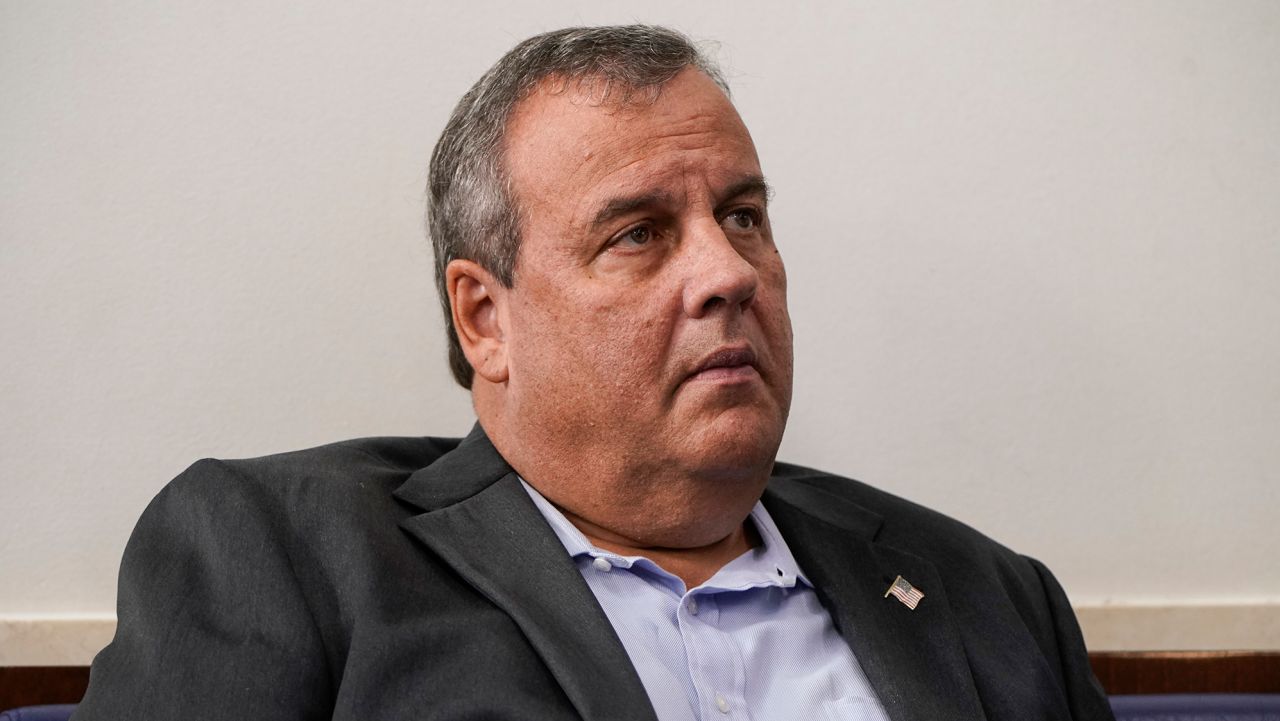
column 914, row 658
column 481, row 522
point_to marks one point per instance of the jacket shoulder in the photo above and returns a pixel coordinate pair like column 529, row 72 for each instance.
column 968, row 561
column 901, row 522
column 348, row 482
column 343, row 463
column 996, row 589
column 335, row 460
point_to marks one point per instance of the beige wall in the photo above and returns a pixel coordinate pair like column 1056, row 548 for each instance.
column 1034, row 252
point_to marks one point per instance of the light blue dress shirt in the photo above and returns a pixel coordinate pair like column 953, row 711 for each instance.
column 752, row 642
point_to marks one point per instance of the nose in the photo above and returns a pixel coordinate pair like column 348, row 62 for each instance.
column 718, row 273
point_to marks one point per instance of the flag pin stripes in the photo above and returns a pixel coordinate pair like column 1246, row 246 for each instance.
column 906, row 593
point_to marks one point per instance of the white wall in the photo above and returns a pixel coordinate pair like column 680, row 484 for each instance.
column 1034, row 253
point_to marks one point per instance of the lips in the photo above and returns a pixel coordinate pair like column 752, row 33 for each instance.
column 726, row 364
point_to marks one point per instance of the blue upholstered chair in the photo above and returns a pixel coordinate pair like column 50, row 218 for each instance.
column 38, row 713
column 1198, row 707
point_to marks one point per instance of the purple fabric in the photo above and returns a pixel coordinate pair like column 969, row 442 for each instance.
column 39, row 713
column 1197, row 707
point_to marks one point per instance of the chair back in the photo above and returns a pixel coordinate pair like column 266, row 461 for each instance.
column 39, row 713
column 1198, row 707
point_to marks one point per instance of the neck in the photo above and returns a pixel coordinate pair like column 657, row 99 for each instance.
column 632, row 486
column 692, row 565
column 685, row 512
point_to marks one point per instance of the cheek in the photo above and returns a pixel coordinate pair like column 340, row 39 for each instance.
column 590, row 340
column 626, row 341
column 771, row 309
column 772, row 291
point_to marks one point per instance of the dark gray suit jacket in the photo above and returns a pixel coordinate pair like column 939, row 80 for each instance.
column 413, row 578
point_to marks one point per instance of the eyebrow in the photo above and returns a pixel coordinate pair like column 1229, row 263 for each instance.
column 753, row 185
column 626, row 204
column 614, row 207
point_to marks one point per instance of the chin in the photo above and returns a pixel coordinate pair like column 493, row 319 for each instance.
column 738, row 450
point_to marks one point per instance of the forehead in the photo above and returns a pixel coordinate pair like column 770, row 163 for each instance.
column 565, row 148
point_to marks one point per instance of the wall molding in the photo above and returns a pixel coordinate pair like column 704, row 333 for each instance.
column 53, row 640
column 74, row 640
column 1185, row 627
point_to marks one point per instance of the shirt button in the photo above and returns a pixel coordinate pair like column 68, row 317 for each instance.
column 602, row 564
column 692, row 605
column 722, row 704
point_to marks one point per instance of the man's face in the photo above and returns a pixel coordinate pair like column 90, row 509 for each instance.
column 647, row 326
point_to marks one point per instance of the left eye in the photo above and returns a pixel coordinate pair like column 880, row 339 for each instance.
column 741, row 219
column 638, row 235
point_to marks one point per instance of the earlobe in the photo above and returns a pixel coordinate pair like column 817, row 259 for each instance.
column 475, row 299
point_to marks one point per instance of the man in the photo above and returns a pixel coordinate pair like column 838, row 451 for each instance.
column 614, row 539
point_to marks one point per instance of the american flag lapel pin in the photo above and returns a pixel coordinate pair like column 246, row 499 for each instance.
column 906, row 593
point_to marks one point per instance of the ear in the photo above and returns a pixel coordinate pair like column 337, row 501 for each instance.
column 476, row 299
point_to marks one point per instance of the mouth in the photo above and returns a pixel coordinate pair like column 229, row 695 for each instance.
column 727, row 365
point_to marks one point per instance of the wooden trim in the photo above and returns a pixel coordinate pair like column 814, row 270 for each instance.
column 1150, row 672
column 1127, row 672
column 36, row 685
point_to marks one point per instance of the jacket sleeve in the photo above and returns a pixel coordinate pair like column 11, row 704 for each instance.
column 1087, row 699
column 211, row 621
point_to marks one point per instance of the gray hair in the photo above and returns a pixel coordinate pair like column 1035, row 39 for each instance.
column 471, row 211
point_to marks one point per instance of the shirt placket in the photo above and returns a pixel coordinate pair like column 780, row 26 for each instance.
column 715, row 661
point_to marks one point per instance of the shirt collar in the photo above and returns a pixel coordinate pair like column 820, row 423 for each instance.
column 770, row 564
